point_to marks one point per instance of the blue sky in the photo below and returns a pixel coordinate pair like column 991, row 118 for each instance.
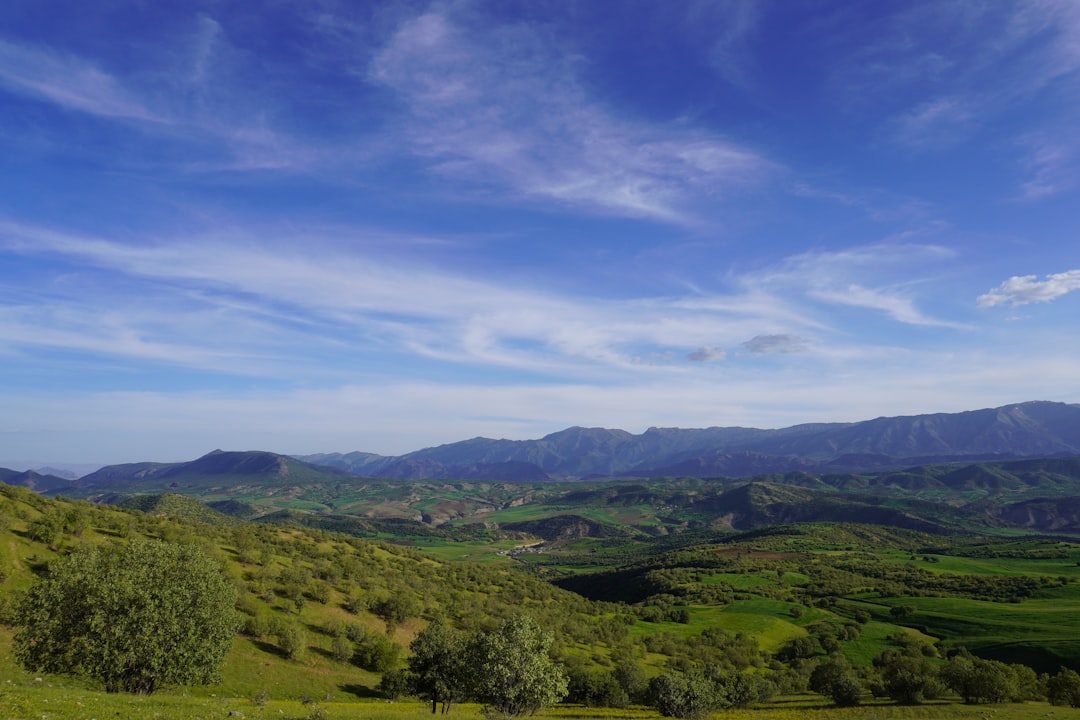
column 330, row 226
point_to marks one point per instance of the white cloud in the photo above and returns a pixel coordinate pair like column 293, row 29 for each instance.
column 207, row 287
column 500, row 105
column 1050, row 166
column 935, row 123
column 68, row 81
column 1027, row 289
column 901, row 309
column 382, row 417
column 830, row 277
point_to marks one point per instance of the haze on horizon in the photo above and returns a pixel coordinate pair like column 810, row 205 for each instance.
column 327, row 226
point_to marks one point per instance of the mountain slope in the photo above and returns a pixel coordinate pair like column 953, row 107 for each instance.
column 217, row 468
column 34, row 480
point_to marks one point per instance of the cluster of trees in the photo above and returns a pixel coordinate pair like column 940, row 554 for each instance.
column 697, row 693
column 910, row 677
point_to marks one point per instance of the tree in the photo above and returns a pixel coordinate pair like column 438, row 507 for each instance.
column 688, row 696
column 394, row 684
column 513, row 673
column 835, row 679
column 631, row 679
column 798, row 648
column 980, row 681
column 394, row 609
column 595, row 688
column 909, row 680
column 437, row 666
column 1063, row 689
column 136, row 617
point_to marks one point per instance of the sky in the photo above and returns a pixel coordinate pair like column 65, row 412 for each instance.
column 316, row 226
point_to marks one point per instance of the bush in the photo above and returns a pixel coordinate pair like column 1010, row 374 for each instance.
column 292, row 642
column 376, row 653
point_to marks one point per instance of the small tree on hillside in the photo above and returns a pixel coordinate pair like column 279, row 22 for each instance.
column 137, row 618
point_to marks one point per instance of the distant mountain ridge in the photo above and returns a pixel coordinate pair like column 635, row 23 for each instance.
column 1008, row 433
column 1024, row 430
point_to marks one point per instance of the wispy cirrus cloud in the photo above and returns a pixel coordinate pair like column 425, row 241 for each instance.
column 70, row 82
column 953, row 70
column 1027, row 289
column 841, row 277
column 184, row 102
column 500, row 105
column 357, row 301
column 1050, row 165
column 935, row 123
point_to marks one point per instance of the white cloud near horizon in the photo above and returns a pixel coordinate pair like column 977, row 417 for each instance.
column 354, row 301
column 1027, row 289
column 382, row 417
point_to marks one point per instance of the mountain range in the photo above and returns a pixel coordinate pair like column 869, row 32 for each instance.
column 1025, row 430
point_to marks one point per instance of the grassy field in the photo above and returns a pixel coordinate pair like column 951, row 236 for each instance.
column 46, row 701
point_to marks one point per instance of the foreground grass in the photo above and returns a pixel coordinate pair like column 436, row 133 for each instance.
column 45, row 701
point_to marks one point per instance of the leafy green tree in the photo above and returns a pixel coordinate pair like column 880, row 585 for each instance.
column 595, row 688
column 394, row 684
column 438, row 666
column 909, row 680
column 835, row 679
column 631, row 678
column 512, row 671
column 741, row 690
column 1063, row 689
column 688, row 696
column 979, row 681
column 798, row 648
column 136, row 617
column 394, row 609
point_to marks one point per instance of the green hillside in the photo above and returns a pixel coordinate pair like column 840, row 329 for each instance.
column 326, row 614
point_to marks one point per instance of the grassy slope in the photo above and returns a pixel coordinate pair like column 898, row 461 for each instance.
column 1049, row 620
